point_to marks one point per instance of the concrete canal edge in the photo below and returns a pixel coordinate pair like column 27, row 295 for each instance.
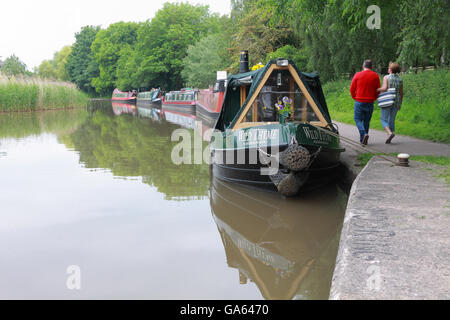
column 395, row 240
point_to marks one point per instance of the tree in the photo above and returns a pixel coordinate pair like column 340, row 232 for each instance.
column 81, row 65
column 109, row 45
column 255, row 32
column 13, row 66
column 61, row 57
column 208, row 55
column 424, row 36
column 299, row 56
column 335, row 33
column 47, row 69
column 162, row 43
column 56, row 68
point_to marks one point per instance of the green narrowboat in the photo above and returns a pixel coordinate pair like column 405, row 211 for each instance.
column 274, row 130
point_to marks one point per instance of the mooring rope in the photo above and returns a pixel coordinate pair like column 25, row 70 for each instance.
column 355, row 144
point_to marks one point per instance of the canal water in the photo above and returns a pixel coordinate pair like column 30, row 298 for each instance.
column 93, row 207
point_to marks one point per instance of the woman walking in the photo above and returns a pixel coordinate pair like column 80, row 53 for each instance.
column 388, row 114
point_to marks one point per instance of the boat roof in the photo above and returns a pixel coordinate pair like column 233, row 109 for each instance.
column 232, row 108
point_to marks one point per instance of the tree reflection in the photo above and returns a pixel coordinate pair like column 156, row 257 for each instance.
column 138, row 147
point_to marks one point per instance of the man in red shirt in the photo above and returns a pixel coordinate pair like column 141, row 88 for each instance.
column 364, row 91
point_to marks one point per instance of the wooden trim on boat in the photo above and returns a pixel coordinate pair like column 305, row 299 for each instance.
column 241, row 124
column 243, row 94
column 323, row 122
column 244, row 125
column 255, row 94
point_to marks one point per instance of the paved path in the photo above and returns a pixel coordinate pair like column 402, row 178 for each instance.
column 395, row 241
column 400, row 144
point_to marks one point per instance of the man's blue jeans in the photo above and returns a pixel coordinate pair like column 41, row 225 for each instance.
column 363, row 115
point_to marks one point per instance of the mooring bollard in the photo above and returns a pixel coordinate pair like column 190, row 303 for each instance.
column 403, row 160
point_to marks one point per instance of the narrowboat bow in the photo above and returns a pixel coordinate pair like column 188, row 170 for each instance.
column 274, row 130
column 128, row 97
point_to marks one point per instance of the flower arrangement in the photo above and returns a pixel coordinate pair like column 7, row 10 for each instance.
column 284, row 106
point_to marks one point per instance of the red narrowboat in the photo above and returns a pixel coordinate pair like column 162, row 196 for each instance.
column 129, row 96
column 209, row 102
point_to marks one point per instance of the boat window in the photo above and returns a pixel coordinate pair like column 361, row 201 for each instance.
column 280, row 88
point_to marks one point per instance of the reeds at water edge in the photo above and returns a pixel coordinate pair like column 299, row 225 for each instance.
column 33, row 93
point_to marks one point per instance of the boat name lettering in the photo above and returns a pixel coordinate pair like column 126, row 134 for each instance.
column 316, row 135
column 258, row 135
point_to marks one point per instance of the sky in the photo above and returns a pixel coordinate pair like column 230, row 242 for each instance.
column 35, row 30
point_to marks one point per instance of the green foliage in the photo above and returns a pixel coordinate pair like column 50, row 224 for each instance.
column 56, row 68
column 47, row 69
column 299, row 56
column 254, row 32
column 338, row 40
column 81, row 65
column 425, row 111
column 163, row 42
column 13, row 66
column 203, row 60
column 424, row 36
column 108, row 47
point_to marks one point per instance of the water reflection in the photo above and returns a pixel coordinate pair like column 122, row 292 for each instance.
column 144, row 111
column 99, row 188
column 287, row 247
column 24, row 124
column 123, row 108
column 132, row 146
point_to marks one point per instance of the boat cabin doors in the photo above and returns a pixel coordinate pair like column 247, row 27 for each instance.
column 279, row 82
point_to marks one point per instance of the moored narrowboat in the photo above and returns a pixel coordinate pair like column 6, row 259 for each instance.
column 275, row 131
column 209, row 102
column 128, row 96
column 152, row 97
column 184, row 100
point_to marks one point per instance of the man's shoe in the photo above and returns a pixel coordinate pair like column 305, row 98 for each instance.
column 388, row 141
column 365, row 139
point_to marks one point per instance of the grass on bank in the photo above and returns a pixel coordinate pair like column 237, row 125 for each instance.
column 364, row 158
column 425, row 111
column 31, row 94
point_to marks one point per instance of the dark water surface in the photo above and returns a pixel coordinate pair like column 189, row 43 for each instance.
column 96, row 189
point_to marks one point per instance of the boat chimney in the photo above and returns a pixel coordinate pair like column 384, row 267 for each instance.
column 243, row 63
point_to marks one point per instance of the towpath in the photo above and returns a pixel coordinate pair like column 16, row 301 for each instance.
column 395, row 240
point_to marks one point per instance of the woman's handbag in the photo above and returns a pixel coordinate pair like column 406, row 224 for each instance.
column 387, row 99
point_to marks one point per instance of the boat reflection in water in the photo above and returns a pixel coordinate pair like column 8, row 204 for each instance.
column 287, row 247
column 146, row 111
column 123, row 108
column 182, row 119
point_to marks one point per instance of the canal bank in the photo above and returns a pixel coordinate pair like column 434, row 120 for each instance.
column 394, row 242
